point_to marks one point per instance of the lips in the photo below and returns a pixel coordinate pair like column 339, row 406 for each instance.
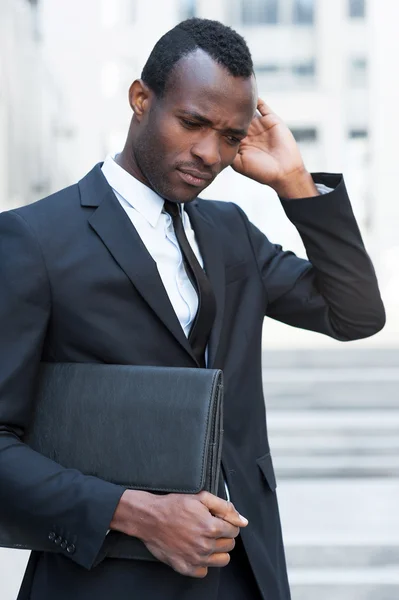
column 195, row 178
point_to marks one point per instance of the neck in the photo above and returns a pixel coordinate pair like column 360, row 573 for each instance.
column 127, row 161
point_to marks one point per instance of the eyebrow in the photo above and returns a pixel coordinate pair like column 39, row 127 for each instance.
column 206, row 121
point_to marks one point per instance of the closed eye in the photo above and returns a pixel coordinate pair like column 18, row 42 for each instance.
column 190, row 124
column 233, row 140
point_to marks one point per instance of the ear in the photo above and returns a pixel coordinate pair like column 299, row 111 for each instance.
column 140, row 98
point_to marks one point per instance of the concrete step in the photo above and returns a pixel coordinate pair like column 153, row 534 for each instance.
column 316, row 467
column 334, row 443
column 346, row 577
column 356, row 590
column 342, row 555
column 292, row 394
column 345, row 356
column 373, row 422
column 331, row 389
column 348, row 374
column 317, row 444
column 367, row 571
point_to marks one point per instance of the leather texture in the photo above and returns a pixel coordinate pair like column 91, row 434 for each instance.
column 157, row 429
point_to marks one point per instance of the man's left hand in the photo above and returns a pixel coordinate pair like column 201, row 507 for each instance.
column 270, row 155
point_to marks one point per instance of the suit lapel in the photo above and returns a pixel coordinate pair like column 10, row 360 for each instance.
column 211, row 250
column 116, row 231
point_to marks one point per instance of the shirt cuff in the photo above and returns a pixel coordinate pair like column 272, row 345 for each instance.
column 323, row 189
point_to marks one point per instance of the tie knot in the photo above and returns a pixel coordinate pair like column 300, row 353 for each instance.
column 172, row 208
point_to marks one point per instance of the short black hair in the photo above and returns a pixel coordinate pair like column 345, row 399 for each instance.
column 222, row 43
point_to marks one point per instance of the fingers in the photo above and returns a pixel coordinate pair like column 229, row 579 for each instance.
column 199, row 572
column 220, row 557
column 219, row 560
column 223, row 545
column 216, row 560
column 222, row 509
column 263, row 108
column 223, row 529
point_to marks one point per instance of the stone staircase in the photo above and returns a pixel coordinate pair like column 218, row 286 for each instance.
column 333, row 419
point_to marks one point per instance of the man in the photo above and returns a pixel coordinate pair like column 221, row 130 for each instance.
column 103, row 272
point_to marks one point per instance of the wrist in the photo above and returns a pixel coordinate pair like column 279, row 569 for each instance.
column 299, row 184
column 133, row 513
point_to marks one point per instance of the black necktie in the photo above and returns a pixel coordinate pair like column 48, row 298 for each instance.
column 201, row 328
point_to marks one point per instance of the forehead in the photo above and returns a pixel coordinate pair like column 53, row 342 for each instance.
column 200, row 84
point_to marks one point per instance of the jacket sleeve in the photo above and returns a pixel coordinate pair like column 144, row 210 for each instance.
column 335, row 291
column 62, row 505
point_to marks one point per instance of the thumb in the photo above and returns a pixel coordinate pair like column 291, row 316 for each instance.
column 237, row 163
column 222, row 509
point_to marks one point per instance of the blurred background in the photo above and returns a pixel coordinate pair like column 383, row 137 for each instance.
column 329, row 68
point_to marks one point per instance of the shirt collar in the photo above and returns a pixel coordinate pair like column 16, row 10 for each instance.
column 134, row 192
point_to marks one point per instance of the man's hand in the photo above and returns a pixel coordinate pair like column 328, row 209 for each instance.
column 188, row 532
column 270, row 155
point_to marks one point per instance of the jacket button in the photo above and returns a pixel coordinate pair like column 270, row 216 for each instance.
column 58, row 540
column 71, row 549
column 64, row 544
column 52, row 536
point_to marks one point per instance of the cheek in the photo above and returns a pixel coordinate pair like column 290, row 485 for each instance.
column 227, row 154
column 172, row 139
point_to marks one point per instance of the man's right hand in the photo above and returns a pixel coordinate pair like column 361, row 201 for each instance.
column 188, row 532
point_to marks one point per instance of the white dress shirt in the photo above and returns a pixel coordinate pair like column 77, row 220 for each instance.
column 145, row 210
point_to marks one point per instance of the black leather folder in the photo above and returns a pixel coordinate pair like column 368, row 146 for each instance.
column 157, row 429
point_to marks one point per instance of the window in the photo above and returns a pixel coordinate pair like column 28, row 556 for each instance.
column 188, row 9
column 271, row 12
column 257, row 12
column 306, row 134
column 357, row 9
column 304, row 69
column 266, row 69
column 358, row 72
column 285, row 76
column 303, row 12
column 358, row 134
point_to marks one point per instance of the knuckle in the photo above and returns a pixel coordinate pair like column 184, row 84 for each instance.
column 192, row 570
column 215, row 529
column 207, row 546
column 182, row 567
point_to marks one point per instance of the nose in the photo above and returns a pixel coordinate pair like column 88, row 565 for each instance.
column 208, row 150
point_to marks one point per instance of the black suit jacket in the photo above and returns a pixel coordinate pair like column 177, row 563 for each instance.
column 78, row 285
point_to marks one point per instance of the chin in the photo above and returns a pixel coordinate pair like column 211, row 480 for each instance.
column 179, row 196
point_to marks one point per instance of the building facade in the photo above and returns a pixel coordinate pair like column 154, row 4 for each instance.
column 29, row 109
column 311, row 61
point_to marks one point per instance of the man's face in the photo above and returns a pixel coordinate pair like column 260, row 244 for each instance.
column 187, row 137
